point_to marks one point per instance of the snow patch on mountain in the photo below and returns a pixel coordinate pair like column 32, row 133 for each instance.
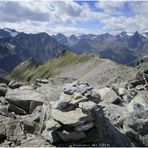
column 13, row 33
column 145, row 35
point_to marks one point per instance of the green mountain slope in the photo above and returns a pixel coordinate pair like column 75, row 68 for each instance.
column 96, row 71
column 29, row 70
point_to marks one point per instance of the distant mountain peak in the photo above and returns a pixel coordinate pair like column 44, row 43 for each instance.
column 6, row 32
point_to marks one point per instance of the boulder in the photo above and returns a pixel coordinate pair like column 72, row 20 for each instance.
column 11, row 130
column 71, row 136
column 139, row 100
column 84, row 88
column 107, row 95
column 136, row 127
column 120, row 88
column 116, row 114
column 25, row 99
column 72, row 118
column 87, row 106
column 50, row 91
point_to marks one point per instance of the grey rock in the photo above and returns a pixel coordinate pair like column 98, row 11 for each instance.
column 141, row 99
column 50, row 91
column 63, row 101
column 25, row 99
column 87, row 106
column 51, row 136
column 116, row 114
column 84, row 88
column 11, row 129
column 69, row 89
column 136, row 127
column 3, row 101
column 72, row 118
column 107, row 95
column 31, row 122
column 120, row 88
column 45, row 114
column 52, row 125
column 77, row 101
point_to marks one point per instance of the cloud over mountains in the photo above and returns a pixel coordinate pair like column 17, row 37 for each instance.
column 74, row 17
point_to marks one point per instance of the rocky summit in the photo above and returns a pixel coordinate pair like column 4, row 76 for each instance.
column 78, row 114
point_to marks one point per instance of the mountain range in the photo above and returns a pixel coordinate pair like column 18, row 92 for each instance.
column 123, row 48
column 15, row 47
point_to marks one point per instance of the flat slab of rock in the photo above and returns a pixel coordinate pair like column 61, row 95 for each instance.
column 25, row 99
column 72, row 118
column 87, row 106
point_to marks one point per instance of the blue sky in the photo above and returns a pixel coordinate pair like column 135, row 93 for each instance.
column 74, row 17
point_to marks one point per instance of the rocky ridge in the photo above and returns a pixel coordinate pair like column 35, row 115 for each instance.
column 67, row 112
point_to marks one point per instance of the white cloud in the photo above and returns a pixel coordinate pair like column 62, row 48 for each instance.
column 62, row 16
column 110, row 6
